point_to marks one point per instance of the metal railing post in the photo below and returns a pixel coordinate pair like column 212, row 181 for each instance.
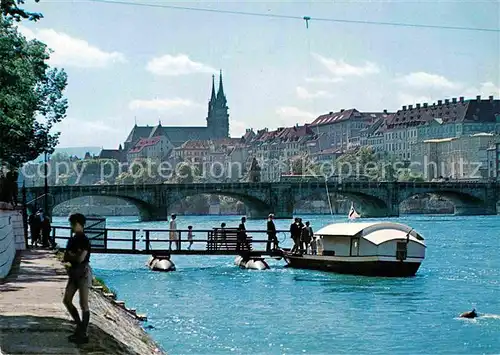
column 134, row 240
column 105, row 240
column 147, row 241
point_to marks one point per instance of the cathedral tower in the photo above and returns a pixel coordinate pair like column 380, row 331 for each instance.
column 218, row 116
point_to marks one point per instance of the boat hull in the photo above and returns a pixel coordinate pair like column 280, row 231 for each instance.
column 385, row 268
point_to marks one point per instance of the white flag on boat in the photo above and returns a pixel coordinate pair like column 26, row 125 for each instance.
column 352, row 213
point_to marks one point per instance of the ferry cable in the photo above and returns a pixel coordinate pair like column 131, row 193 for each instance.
column 328, row 195
column 301, row 18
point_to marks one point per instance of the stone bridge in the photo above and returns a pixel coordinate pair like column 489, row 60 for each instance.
column 371, row 199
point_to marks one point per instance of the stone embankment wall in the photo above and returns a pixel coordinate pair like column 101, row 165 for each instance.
column 11, row 236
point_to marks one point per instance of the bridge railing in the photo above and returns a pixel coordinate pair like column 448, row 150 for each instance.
column 150, row 241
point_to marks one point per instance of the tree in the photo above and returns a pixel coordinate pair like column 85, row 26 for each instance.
column 185, row 173
column 11, row 11
column 31, row 93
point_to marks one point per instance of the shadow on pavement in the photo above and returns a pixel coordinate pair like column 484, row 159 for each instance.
column 22, row 334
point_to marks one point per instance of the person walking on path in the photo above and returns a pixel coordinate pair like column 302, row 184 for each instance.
column 46, row 229
column 35, row 228
column 271, row 234
column 173, row 233
column 80, row 277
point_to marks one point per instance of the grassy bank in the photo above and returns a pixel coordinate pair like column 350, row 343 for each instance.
column 96, row 281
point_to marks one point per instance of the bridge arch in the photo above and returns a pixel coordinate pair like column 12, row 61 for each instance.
column 255, row 206
column 366, row 204
column 146, row 211
column 466, row 203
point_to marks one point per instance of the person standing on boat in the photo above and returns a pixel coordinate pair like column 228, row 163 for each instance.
column 306, row 237
column 190, row 236
column 295, row 234
column 223, row 234
column 271, row 234
column 242, row 236
column 173, row 232
column 314, row 246
column 301, row 228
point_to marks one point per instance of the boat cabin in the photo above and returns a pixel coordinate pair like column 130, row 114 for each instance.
column 383, row 239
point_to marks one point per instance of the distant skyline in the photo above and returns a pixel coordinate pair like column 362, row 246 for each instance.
column 131, row 63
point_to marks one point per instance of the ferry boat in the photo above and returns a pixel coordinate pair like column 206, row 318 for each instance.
column 371, row 249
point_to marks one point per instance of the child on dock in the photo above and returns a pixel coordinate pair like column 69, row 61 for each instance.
column 190, row 236
column 314, row 246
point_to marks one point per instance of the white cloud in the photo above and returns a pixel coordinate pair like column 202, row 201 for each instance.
column 484, row 89
column 170, row 65
column 81, row 133
column 70, row 51
column 303, row 93
column 409, row 99
column 340, row 68
column 238, row 128
column 423, row 80
column 324, row 79
column 294, row 112
column 162, row 104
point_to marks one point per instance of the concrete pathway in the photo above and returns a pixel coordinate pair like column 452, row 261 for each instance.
column 33, row 319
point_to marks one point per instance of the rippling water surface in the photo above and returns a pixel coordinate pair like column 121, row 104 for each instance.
column 209, row 306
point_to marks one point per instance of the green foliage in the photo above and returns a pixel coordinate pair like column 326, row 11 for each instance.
column 10, row 10
column 31, row 94
column 186, row 174
column 364, row 163
column 100, row 282
column 407, row 175
column 124, row 179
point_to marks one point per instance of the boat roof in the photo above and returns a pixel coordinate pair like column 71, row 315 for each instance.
column 375, row 232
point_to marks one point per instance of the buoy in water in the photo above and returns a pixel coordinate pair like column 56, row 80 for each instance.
column 470, row 314
column 161, row 263
column 252, row 263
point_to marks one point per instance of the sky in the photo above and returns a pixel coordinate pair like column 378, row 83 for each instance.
column 130, row 64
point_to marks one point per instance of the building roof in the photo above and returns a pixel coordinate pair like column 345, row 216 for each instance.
column 178, row 135
column 449, row 111
column 375, row 232
column 143, row 143
column 334, row 117
column 112, row 154
column 138, row 132
column 194, row 145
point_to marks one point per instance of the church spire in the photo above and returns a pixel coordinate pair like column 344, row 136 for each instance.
column 220, row 94
column 212, row 98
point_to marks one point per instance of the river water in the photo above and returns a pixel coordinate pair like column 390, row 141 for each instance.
column 210, row 306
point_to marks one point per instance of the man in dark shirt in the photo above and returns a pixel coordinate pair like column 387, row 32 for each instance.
column 242, row 236
column 271, row 234
column 295, row 232
column 80, row 277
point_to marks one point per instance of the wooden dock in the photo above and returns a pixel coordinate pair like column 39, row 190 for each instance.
column 215, row 241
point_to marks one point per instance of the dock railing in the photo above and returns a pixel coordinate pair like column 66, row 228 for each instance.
column 216, row 241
